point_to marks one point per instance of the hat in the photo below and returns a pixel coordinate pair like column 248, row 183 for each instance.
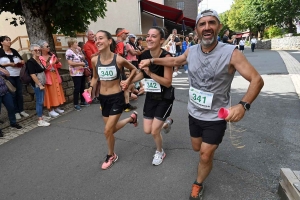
column 123, row 31
column 131, row 36
column 208, row 12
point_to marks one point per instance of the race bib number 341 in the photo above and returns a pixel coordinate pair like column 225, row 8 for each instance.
column 151, row 85
column 200, row 98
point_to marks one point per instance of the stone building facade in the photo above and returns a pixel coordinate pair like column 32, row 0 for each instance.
column 189, row 7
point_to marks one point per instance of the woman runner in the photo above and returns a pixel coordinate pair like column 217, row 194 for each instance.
column 106, row 68
column 157, row 79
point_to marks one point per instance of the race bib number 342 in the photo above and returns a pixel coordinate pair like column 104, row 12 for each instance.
column 151, row 85
column 200, row 98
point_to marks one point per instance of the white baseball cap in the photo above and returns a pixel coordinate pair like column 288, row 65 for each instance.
column 208, row 12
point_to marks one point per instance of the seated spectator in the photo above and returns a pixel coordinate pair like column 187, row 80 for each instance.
column 6, row 99
column 36, row 71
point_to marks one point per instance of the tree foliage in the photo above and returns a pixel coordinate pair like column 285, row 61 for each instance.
column 61, row 16
column 258, row 14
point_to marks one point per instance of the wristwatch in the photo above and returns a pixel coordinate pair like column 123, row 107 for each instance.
column 245, row 105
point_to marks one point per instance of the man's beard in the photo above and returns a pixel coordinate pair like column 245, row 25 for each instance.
column 208, row 43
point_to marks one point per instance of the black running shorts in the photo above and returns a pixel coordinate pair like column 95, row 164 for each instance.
column 112, row 104
column 212, row 132
column 159, row 109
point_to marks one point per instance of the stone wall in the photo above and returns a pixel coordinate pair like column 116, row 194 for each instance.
column 285, row 43
column 29, row 97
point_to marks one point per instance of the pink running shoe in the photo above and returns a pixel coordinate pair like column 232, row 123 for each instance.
column 134, row 117
column 109, row 161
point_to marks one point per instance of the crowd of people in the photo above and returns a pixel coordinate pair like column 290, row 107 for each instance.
column 121, row 72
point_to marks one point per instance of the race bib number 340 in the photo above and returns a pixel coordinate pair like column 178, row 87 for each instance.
column 107, row 73
column 151, row 85
column 200, row 98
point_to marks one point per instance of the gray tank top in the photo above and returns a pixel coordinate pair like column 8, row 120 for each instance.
column 209, row 73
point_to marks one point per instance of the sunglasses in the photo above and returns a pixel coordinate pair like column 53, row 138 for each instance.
column 36, row 50
column 47, row 46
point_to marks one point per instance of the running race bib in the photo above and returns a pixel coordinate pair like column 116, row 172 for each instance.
column 200, row 98
column 151, row 85
column 107, row 73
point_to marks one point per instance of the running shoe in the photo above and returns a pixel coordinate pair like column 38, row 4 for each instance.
column 43, row 123
column 84, row 104
column 169, row 123
column 109, row 161
column 179, row 72
column 197, row 192
column 129, row 108
column 17, row 126
column 58, row 110
column 158, row 157
column 134, row 117
column 24, row 114
column 77, row 107
column 18, row 116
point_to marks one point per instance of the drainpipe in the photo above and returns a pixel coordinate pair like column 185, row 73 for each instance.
column 140, row 16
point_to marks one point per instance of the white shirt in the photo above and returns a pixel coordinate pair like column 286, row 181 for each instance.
column 253, row 41
column 172, row 47
column 242, row 43
column 13, row 71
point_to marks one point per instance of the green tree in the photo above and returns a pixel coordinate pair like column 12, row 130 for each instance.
column 224, row 22
column 46, row 17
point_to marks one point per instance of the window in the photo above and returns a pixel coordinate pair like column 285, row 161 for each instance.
column 180, row 5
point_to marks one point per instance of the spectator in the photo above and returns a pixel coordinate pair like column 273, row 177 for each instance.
column 226, row 37
column 185, row 45
column 76, row 67
column 242, row 45
column 132, row 50
column 90, row 51
column 178, row 51
column 122, row 34
column 12, row 61
column 36, row 71
column 54, row 93
column 138, row 44
column 253, row 43
column 6, row 99
column 234, row 41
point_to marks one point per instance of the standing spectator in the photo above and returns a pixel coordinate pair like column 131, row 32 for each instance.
column 226, row 37
column 54, row 93
column 185, row 45
column 242, row 45
column 122, row 34
column 36, row 71
column 234, row 41
column 76, row 67
column 90, row 51
column 178, row 51
column 139, row 42
column 172, row 50
column 253, row 43
column 6, row 99
column 132, row 50
column 12, row 61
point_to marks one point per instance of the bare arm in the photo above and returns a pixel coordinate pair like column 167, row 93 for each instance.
column 5, row 72
column 240, row 63
column 166, row 61
column 36, row 80
column 122, row 62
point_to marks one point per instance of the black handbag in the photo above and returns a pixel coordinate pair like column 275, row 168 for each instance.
column 168, row 93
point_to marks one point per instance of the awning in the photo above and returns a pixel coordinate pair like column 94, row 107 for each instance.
column 245, row 35
column 238, row 36
column 169, row 13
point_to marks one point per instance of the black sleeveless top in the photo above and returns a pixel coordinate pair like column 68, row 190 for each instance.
column 108, row 72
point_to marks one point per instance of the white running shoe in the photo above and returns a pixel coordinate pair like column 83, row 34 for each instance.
column 53, row 114
column 174, row 74
column 24, row 114
column 43, row 123
column 58, row 110
column 158, row 157
column 45, row 118
column 179, row 72
column 186, row 72
column 18, row 116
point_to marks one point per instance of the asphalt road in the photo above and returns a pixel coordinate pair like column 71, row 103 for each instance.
column 63, row 161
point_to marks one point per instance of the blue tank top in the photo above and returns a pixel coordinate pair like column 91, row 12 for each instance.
column 108, row 72
column 208, row 73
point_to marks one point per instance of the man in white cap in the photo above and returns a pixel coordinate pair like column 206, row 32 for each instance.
column 212, row 66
